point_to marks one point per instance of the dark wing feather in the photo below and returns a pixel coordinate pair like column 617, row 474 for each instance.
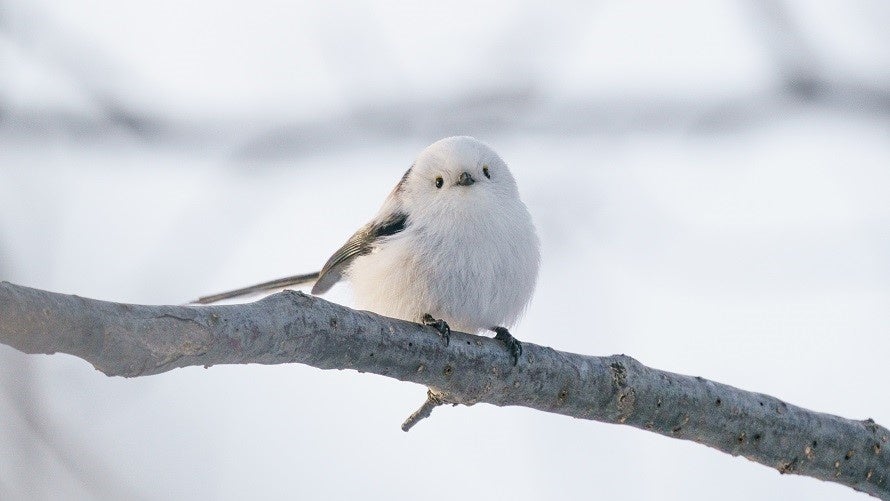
column 359, row 244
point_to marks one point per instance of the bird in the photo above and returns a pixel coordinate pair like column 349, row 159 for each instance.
column 453, row 247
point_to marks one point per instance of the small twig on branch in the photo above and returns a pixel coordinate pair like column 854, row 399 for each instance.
column 136, row 340
column 433, row 400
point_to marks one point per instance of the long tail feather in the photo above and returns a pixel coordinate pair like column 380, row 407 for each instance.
column 265, row 286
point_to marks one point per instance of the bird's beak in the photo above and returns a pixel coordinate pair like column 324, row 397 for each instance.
column 465, row 179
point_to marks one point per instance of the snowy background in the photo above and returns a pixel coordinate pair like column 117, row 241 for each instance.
column 710, row 180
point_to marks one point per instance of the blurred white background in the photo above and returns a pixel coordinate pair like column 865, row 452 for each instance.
column 710, row 179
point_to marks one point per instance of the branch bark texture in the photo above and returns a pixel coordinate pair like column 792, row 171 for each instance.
column 136, row 340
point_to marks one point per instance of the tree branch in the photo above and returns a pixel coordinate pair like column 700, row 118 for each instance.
column 136, row 340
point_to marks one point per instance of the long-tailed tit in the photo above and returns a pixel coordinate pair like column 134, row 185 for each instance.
column 453, row 247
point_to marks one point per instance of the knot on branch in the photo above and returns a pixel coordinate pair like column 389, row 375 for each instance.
column 626, row 396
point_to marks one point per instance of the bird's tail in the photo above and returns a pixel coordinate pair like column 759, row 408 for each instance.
column 265, row 286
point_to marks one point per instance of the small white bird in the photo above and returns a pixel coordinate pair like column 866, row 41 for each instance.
column 453, row 247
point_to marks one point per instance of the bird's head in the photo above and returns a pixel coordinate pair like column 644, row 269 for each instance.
column 457, row 176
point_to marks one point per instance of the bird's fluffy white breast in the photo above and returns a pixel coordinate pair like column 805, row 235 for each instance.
column 476, row 271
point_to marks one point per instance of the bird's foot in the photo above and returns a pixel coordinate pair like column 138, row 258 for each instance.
column 513, row 344
column 440, row 325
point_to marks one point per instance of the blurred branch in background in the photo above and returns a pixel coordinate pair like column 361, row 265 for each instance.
column 26, row 28
column 18, row 400
column 801, row 71
column 520, row 107
column 34, row 445
column 794, row 59
column 517, row 111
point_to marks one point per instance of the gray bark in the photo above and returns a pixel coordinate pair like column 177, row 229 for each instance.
column 137, row 340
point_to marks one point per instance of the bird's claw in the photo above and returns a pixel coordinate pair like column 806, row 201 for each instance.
column 440, row 325
column 513, row 344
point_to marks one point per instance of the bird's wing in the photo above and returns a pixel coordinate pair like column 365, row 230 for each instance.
column 359, row 244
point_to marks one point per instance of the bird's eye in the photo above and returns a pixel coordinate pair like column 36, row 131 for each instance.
column 439, row 182
column 485, row 171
